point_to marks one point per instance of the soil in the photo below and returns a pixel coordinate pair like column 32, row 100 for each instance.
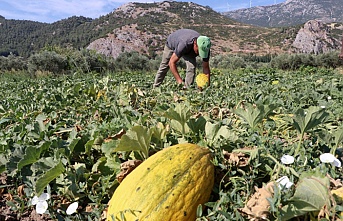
column 6, row 212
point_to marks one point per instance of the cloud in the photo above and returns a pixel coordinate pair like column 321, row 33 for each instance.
column 53, row 10
column 230, row 6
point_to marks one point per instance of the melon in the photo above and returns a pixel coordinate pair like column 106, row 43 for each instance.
column 168, row 186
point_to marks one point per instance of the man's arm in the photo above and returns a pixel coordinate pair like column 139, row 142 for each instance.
column 206, row 70
column 173, row 68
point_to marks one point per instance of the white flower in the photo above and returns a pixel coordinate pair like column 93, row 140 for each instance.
column 322, row 107
column 72, row 208
column 329, row 158
column 284, row 183
column 329, row 98
column 41, row 202
column 287, row 159
column 41, row 207
column 336, row 163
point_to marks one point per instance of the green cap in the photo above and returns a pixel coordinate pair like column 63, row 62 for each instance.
column 204, row 45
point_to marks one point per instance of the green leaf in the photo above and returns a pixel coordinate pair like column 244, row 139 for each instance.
column 199, row 210
column 252, row 115
column 332, row 139
column 197, row 125
column 47, row 177
column 216, row 132
column 73, row 144
column 338, row 135
column 211, row 131
column 113, row 163
column 311, row 195
column 77, row 88
column 40, row 119
column 180, row 128
column 160, row 131
column 100, row 166
column 305, row 120
column 179, row 117
column 16, row 156
column 292, row 170
column 32, row 155
column 136, row 139
column 88, row 146
column 109, row 147
column 5, row 120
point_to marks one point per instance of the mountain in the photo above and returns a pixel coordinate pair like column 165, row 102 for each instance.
column 143, row 27
column 289, row 13
column 23, row 38
column 147, row 26
column 151, row 23
column 16, row 32
column 313, row 38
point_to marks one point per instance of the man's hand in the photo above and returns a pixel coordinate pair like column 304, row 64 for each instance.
column 179, row 81
column 207, row 71
column 182, row 86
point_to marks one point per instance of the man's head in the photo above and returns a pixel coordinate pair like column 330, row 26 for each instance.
column 204, row 45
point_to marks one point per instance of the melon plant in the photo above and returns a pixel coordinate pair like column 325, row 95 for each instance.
column 169, row 185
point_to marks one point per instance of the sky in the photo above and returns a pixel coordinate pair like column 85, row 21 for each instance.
column 54, row 10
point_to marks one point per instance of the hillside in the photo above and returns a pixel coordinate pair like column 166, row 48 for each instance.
column 23, row 37
column 14, row 33
column 289, row 13
column 147, row 26
column 144, row 27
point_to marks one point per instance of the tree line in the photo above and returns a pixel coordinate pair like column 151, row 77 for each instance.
column 59, row 61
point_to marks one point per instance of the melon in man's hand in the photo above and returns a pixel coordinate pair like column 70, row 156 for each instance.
column 201, row 80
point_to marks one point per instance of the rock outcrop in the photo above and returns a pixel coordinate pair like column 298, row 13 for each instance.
column 124, row 39
column 314, row 38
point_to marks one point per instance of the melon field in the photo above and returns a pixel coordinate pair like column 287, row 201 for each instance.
column 275, row 138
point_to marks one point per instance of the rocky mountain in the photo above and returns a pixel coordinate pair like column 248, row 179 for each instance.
column 291, row 12
column 313, row 38
column 227, row 36
column 144, row 27
column 148, row 25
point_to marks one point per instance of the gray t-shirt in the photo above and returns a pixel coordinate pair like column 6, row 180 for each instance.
column 181, row 42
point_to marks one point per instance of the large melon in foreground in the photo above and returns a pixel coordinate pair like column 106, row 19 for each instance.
column 168, row 186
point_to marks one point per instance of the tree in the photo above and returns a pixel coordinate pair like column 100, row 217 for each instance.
column 48, row 61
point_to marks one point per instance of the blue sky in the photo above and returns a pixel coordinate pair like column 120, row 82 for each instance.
column 53, row 10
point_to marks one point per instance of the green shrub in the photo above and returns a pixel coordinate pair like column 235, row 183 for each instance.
column 132, row 61
column 228, row 62
column 295, row 61
column 48, row 61
column 12, row 63
column 88, row 61
column 328, row 60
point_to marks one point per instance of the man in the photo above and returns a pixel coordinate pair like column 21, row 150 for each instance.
column 186, row 44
